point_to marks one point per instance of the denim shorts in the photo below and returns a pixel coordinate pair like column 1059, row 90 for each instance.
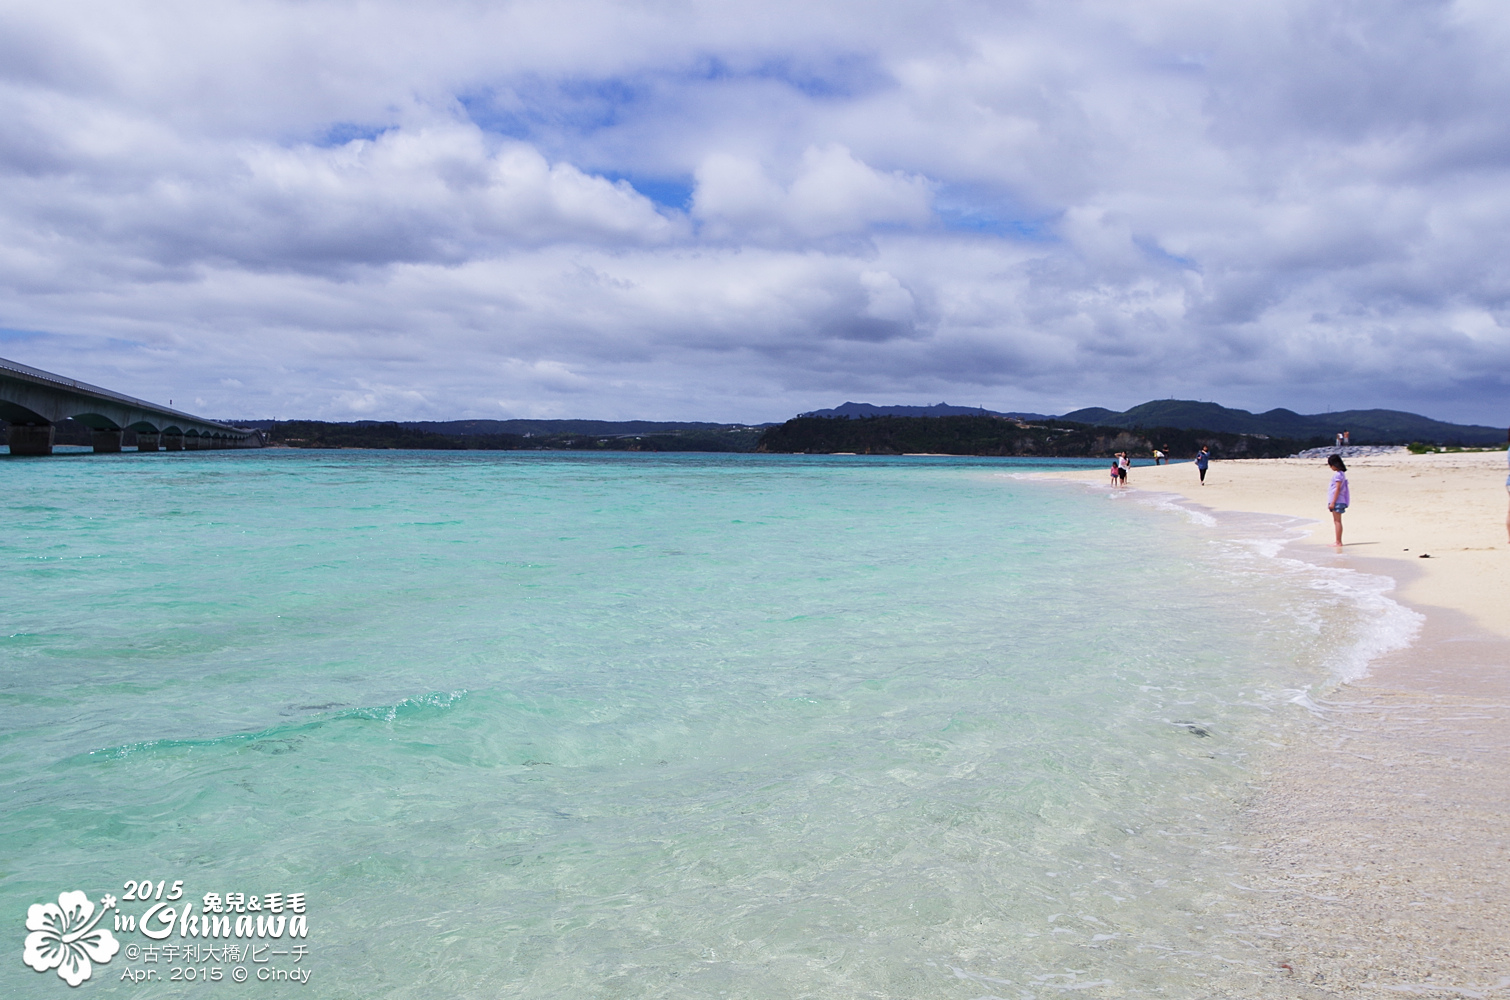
column 1339, row 508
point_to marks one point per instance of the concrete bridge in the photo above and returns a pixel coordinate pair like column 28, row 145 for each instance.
column 33, row 401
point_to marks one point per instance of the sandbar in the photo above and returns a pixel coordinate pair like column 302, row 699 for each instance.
column 1382, row 832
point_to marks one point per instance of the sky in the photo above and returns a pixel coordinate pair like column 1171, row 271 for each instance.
column 690, row 210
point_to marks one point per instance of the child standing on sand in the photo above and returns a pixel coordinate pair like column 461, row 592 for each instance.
column 1116, row 473
column 1337, row 497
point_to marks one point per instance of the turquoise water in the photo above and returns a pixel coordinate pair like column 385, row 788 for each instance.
column 640, row 726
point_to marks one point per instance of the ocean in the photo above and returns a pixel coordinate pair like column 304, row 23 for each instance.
column 550, row 724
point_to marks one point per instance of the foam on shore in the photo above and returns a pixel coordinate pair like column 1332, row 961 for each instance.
column 1267, row 544
column 1381, row 830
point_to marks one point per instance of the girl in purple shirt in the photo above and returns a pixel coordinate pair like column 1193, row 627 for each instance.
column 1337, row 497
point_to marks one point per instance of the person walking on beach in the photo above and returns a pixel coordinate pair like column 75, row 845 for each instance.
column 1337, row 497
column 1122, row 467
column 1202, row 459
column 1116, row 477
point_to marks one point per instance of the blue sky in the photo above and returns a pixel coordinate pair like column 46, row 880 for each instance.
column 691, row 210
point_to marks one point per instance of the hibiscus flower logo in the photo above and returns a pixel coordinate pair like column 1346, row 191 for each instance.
column 63, row 937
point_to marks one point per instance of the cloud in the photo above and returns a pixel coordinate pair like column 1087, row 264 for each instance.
column 831, row 194
column 439, row 192
column 343, row 208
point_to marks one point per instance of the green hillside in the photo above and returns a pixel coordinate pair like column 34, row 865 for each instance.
column 998, row 436
column 1365, row 426
column 374, row 434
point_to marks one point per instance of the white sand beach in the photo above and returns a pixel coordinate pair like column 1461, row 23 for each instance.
column 1450, row 507
column 1384, row 830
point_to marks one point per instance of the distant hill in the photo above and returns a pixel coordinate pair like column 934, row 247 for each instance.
column 596, row 428
column 855, row 411
column 939, row 428
column 513, row 435
column 996, row 436
column 535, row 428
column 1364, row 426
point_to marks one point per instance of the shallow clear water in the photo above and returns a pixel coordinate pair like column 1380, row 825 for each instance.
column 641, row 726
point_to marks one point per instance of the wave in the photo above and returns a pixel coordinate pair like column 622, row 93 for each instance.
column 290, row 733
column 1382, row 624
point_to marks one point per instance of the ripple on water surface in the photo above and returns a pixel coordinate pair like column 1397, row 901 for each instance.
column 548, row 725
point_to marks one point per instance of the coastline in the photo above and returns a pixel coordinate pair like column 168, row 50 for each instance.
column 1382, row 832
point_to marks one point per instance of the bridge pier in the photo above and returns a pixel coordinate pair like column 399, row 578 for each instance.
column 106, row 441
column 33, row 401
column 31, row 439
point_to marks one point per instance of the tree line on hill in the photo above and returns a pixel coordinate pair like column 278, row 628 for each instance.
column 999, row 436
column 1365, row 426
column 865, row 429
column 952, row 435
column 390, row 434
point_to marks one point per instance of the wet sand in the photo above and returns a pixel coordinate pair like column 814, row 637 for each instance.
column 1383, row 831
column 1449, row 507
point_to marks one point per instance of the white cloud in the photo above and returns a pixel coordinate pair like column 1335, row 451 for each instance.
column 444, row 191
column 380, row 209
column 889, row 300
column 831, row 194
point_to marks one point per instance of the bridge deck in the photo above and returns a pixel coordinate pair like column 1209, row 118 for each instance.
column 33, row 401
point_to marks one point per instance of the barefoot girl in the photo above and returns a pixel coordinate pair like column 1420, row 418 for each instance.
column 1337, row 497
